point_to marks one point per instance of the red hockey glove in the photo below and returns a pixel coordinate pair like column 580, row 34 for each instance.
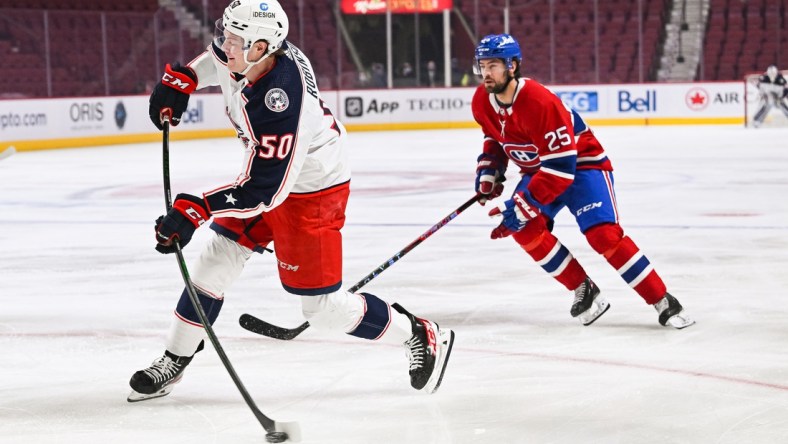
column 516, row 212
column 489, row 177
column 186, row 215
column 171, row 96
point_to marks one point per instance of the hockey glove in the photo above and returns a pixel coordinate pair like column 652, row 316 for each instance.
column 489, row 177
column 171, row 96
column 186, row 215
column 516, row 212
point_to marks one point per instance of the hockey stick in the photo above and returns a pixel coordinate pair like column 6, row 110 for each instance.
column 261, row 327
column 8, row 152
column 275, row 431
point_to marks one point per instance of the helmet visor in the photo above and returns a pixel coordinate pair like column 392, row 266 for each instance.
column 218, row 34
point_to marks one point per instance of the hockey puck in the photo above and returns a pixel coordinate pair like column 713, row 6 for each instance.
column 276, row 437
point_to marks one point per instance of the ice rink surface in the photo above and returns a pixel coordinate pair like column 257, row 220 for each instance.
column 85, row 301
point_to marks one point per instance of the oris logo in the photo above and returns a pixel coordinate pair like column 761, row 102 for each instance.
column 86, row 112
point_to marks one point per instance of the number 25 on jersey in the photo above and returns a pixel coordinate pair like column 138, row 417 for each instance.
column 558, row 138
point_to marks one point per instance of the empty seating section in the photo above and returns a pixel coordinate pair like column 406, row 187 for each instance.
column 744, row 37
column 138, row 43
column 592, row 41
column 579, row 28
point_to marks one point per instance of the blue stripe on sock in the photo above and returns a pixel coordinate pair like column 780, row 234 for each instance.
column 186, row 310
column 635, row 270
column 375, row 320
column 554, row 262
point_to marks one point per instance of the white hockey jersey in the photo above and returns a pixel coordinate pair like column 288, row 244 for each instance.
column 292, row 142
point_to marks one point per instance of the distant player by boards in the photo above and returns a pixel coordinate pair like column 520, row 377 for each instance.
column 562, row 165
column 773, row 93
column 292, row 189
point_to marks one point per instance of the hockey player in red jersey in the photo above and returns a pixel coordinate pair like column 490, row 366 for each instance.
column 292, row 189
column 562, row 164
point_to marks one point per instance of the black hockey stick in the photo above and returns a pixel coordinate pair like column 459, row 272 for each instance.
column 275, row 431
column 261, row 327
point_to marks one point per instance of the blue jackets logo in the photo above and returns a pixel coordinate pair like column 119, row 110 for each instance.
column 629, row 102
column 581, row 101
column 120, row 115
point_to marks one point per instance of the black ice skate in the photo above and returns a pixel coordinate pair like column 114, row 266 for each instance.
column 672, row 313
column 589, row 305
column 428, row 350
column 160, row 378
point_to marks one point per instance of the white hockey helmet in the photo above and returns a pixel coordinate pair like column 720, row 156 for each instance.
column 771, row 71
column 254, row 20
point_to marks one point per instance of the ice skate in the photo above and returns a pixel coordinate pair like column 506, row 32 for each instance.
column 672, row 313
column 589, row 305
column 160, row 378
column 428, row 350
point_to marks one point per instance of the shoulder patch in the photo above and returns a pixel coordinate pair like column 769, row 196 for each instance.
column 276, row 100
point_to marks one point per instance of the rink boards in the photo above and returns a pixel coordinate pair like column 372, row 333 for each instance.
column 34, row 124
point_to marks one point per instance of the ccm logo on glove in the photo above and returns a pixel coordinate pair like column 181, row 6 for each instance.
column 186, row 215
column 178, row 80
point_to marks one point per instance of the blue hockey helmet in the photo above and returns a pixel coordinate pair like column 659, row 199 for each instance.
column 498, row 46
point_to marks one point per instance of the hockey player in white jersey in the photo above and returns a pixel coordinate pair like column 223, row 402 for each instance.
column 773, row 92
column 292, row 189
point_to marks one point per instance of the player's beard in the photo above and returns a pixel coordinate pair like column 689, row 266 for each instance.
column 499, row 87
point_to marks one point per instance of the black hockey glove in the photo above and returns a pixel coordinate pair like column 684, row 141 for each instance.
column 186, row 215
column 171, row 96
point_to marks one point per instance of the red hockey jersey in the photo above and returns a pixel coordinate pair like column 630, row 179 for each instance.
column 540, row 135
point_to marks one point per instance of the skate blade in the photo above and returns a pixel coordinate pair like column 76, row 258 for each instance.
column 680, row 320
column 597, row 309
column 446, row 342
column 135, row 396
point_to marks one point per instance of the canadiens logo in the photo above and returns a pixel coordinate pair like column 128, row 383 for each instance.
column 276, row 100
column 524, row 156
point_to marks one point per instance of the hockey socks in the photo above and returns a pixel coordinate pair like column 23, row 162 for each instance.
column 185, row 309
column 637, row 271
column 376, row 319
column 555, row 259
